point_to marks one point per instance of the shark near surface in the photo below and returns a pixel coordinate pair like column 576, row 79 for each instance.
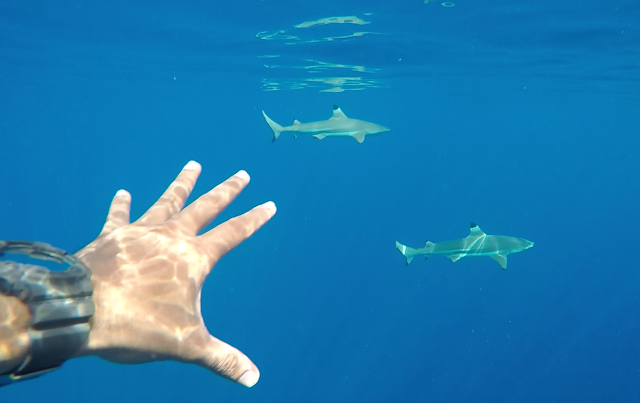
column 338, row 125
column 477, row 243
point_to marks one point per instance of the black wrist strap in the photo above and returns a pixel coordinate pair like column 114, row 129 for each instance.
column 60, row 302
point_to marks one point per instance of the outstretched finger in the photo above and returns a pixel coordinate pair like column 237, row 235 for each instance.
column 226, row 236
column 224, row 360
column 174, row 198
column 119, row 210
column 202, row 211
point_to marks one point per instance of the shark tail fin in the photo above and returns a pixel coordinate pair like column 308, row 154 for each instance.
column 277, row 129
column 406, row 251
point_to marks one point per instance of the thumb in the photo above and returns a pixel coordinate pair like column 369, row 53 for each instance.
column 224, row 360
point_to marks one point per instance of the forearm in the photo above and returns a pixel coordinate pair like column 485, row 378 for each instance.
column 44, row 318
column 14, row 340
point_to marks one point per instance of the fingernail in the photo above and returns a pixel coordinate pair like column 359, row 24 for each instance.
column 249, row 378
column 122, row 192
column 192, row 165
column 271, row 206
column 242, row 174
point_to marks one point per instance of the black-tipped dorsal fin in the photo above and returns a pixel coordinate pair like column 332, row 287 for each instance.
column 296, row 122
column 474, row 230
column 337, row 113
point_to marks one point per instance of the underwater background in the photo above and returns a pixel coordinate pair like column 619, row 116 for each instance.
column 521, row 116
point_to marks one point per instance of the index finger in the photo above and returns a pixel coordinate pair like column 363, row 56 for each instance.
column 174, row 198
column 226, row 236
column 207, row 207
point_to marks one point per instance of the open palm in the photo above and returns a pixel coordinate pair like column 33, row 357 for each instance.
column 147, row 277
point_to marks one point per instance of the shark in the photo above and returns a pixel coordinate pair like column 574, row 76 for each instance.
column 338, row 125
column 477, row 243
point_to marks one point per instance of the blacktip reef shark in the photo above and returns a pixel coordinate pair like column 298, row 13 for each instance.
column 338, row 125
column 477, row 243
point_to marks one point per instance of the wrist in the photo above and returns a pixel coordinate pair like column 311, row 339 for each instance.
column 14, row 339
column 87, row 348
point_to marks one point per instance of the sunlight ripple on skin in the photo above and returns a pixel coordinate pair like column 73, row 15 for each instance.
column 148, row 277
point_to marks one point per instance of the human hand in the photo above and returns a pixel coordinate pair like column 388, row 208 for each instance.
column 147, row 277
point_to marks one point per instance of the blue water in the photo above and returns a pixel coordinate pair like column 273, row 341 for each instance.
column 521, row 116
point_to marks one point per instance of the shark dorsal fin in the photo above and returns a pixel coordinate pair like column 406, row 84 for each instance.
column 296, row 122
column 337, row 113
column 475, row 231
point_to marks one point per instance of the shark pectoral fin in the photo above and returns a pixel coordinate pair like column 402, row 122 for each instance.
column 455, row 257
column 359, row 136
column 501, row 260
column 319, row 136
